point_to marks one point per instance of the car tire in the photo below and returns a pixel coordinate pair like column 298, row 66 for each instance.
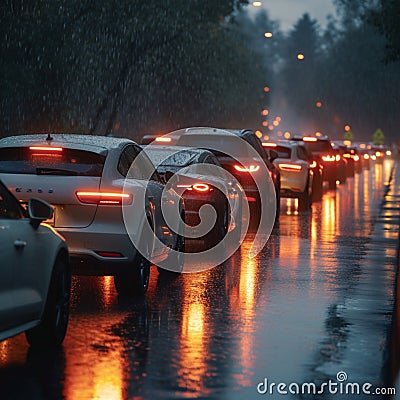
column 305, row 198
column 177, row 259
column 317, row 189
column 220, row 229
column 133, row 282
column 54, row 322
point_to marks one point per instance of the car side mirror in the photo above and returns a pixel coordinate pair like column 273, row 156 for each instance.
column 39, row 211
column 273, row 155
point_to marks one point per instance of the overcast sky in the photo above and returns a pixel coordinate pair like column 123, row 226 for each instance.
column 289, row 11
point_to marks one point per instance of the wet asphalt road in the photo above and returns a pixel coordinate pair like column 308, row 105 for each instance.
column 316, row 301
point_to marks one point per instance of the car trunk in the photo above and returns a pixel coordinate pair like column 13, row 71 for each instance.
column 55, row 178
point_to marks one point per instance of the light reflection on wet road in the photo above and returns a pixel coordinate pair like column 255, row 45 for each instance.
column 216, row 334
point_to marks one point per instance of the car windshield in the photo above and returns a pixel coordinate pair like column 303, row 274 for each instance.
column 68, row 162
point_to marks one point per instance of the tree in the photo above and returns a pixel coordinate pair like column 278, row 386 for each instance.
column 297, row 78
column 378, row 137
column 83, row 65
column 386, row 18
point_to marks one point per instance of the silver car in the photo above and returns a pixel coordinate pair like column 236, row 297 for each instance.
column 89, row 180
column 35, row 276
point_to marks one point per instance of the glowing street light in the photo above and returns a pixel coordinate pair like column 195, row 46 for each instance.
column 257, row 3
column 266, row 89
column 268, row 35
column 300, row 56
column 318, row 104
column 264, row 112
column 347, row 128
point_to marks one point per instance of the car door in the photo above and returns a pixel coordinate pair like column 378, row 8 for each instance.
column 20, row 267
column 7, row 266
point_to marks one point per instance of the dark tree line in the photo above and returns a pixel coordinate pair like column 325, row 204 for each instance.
column 128, row 67
column 124, row 67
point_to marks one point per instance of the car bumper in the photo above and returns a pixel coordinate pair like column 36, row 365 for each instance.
column 86, row 244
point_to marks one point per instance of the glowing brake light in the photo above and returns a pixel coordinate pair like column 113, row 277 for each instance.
column 104, row 198
column 313, row 164
column 163, row 139
column 346, row 155
column 329, row 158
column 356, row 158
column 378, row 154
column 46, row 148
column 250, row 168
column 199, row 187
column 309, row 139
column 337, row 158
column 388, row 153
column 266, row 144
column 290, row 167
column 366, row 156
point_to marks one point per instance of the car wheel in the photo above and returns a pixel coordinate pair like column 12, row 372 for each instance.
column 135, row 281
column 317, row 189
column 220, row 229
column 177, row 259
column 305, row 198
column 53, row 325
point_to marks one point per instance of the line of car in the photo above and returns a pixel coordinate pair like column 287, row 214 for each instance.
column 62, row 202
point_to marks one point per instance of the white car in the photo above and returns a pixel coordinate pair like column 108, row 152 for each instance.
column 294, row 166
column 85, row 179
column 35, row 276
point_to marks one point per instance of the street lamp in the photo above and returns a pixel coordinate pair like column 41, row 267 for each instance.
column 268, row 35
column 300, row 56
column 257, row 4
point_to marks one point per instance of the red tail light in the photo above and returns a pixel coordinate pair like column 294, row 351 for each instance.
column 309, row 139
column 201, row 187
column 266, row 144
column 356, row 158
column 109, row 254
column 366, row 156
column 163, row 139
column 48, row 149
column 250, row 168
column 198, row 187
column 290, row 167
column 104, row 198
column 329, row 158
column 313, row 164
column 337, row 158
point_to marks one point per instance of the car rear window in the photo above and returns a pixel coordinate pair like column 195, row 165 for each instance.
column 283, row 152
column 165, row 158
column 319, row 146
column 233, row 145
column 67, row 162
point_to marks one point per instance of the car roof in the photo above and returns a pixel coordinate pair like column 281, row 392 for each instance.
column 80, row 141
column 215, row 131
column 175, row 149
